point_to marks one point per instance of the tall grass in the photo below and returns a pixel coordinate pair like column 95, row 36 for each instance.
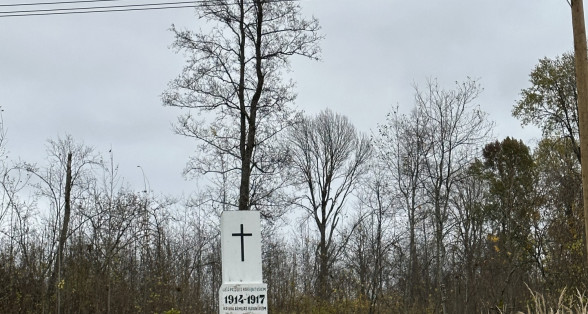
column 566, row 304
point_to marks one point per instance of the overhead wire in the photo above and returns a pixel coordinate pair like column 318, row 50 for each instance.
column 114, row 7
column 89, row 10
column 101, row 9
column 94, row 9
column 55, row 3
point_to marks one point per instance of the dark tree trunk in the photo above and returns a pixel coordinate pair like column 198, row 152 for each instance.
column 323, row 269
column 63, row 233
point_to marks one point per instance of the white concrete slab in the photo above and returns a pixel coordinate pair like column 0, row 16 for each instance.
column 241, row 247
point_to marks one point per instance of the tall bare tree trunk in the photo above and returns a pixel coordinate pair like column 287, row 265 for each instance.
column 56, row 274
column 581, row 57
column 323, row 267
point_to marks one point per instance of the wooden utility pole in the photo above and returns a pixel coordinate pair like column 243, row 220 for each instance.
column 581, row 57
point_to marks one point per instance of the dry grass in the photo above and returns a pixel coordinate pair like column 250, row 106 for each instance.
column 566, row 304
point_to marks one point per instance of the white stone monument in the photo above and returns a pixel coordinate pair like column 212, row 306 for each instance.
column 243, row 290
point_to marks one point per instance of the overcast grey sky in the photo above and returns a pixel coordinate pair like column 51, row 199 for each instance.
column 99, row 76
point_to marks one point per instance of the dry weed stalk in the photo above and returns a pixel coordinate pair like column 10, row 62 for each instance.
column 575, row 305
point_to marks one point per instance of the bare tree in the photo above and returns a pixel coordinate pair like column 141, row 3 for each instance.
column 402, row 149
column 233, row 80
column 458, row 127
column 5, row 180
column 69, row 167
column 112, row 214
column 470, row 236
column 328, row 157
column 375, row 237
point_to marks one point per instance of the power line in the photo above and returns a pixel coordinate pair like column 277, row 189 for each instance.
column 55, row 3
column 97, row 11
column 113, row 7
column 104, row 9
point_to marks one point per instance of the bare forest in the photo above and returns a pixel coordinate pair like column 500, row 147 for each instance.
column 427, row 213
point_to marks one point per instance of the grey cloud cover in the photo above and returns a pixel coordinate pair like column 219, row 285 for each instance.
column 99, row 77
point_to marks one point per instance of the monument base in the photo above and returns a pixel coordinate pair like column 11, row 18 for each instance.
column 238, row 298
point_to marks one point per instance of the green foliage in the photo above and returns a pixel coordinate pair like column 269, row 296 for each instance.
column 172, row 311
column 561, row 191
column 511, row 209
column 511, row 176
column 551, row 102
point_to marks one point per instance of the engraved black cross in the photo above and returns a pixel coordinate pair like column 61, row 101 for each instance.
column 242, row 235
